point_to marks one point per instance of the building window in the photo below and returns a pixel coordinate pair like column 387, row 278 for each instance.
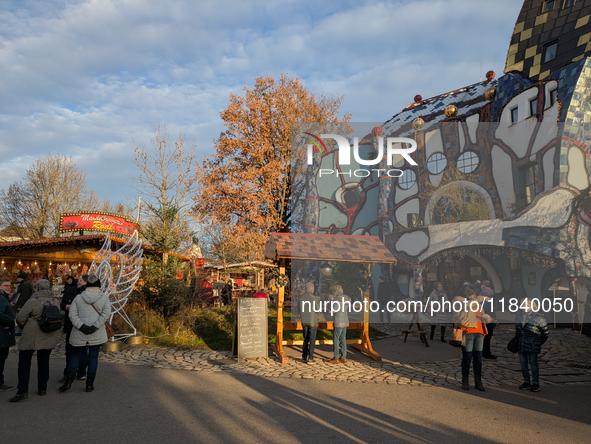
column 547, row 5
column 550, row 52
column 407, row 179
column 468, row 162
column 436, row 163
column 568, row 3
column 528, row 181
column 533, row 107
column 553, row 94
column 515, row 115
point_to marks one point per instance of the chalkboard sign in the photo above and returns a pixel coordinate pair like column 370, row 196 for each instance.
column 252, row 328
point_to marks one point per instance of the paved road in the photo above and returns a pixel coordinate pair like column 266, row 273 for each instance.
column 136, row 404
column 564, row 361
column 151, row 394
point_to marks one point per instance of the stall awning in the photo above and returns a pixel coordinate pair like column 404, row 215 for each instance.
column 328, row 247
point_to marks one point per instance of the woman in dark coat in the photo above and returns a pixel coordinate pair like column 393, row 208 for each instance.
column 7, row 339
column 532, row 331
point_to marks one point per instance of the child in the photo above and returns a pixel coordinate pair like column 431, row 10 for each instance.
column 532, row 331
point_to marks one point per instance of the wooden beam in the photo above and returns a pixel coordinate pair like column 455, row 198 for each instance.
column 322, row 342
column 294, row 326
column 278, row 348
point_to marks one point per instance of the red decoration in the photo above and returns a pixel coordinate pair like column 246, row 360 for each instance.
column 377, row 131
column 490, row 75
column 418, row 98
column 96, row 222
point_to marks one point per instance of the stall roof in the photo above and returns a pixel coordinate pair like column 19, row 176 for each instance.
column 92, row 238
column 328, row 247
column 253, row 264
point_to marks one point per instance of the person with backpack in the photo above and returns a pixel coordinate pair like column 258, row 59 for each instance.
column 88, row 313
column 34, row 317
column 532, row 332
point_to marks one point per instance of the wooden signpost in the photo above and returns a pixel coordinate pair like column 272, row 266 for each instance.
column 251, row 329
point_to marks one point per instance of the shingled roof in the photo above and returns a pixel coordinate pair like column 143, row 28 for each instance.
column 328, row 247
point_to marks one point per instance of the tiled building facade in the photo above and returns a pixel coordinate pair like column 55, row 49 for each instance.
column 514, row 147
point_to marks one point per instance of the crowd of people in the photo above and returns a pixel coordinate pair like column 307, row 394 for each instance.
column 84, row 309
column 475, row 327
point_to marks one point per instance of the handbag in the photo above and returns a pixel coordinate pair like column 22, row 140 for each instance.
column 513, row 346
column 108, row 327
column 457, row 338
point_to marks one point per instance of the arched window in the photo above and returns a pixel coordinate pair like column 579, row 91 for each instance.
column 407, row 179
column 436, row 163
column 468, row 162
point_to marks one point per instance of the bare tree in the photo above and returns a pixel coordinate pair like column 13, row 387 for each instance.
column 52, row 185
column 167, row 182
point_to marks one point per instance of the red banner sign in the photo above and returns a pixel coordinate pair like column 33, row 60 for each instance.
column 97, row 222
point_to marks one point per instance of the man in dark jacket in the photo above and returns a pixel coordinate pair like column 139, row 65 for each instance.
column 72, row 288
column 309, row 319
column 25, row 290
column 6, row 329
column 532, row 331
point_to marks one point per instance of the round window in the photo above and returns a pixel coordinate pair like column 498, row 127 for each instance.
column 468, row 162
column 436, row 163
column 407, row 179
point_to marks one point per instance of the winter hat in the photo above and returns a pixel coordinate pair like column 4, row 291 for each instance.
column 22, row 276
column 93, row 281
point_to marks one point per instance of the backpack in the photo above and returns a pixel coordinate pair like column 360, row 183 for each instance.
column 51, row 318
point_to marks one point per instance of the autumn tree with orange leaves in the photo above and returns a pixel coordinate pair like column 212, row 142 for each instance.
column 248, row 187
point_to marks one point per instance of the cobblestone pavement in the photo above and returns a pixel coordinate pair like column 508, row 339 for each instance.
column 565, row 359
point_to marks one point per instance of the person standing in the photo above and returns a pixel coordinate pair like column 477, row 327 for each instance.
column 442, row 317
column 309, row 319
column 470, row 320
column 384, row 296
column 486, row 290
column 33, row 339
column 88, row 313
column 227, row 293
column 341, row 322
column 72, row 289
column 532, row 331
column 24, row 291
column 7, row 338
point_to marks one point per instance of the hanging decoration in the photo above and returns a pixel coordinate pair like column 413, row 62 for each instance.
column 118, row 272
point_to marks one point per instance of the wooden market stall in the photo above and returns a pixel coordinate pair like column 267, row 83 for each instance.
column 326, row 248
column 246, row 276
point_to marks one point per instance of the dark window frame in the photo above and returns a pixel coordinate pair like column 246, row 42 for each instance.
column 528, row 182
column 553, row 94
column 436, row 161
column 407, row 182
column 566, row 5
column 545, row 51
column 548, row 5
column 471, row 162
column 514, row 117
column 533, row 106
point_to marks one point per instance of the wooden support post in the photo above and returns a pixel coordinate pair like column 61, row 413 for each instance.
column 278, row 347
column 365, row 346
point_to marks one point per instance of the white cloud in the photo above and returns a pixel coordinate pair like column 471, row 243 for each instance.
column 86, row 77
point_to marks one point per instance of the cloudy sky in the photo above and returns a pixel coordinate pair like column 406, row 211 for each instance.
column 86, row 78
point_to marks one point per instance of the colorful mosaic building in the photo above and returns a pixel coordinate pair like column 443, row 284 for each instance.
column 498, row 166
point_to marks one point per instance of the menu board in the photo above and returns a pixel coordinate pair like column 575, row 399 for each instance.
column 252, row 328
